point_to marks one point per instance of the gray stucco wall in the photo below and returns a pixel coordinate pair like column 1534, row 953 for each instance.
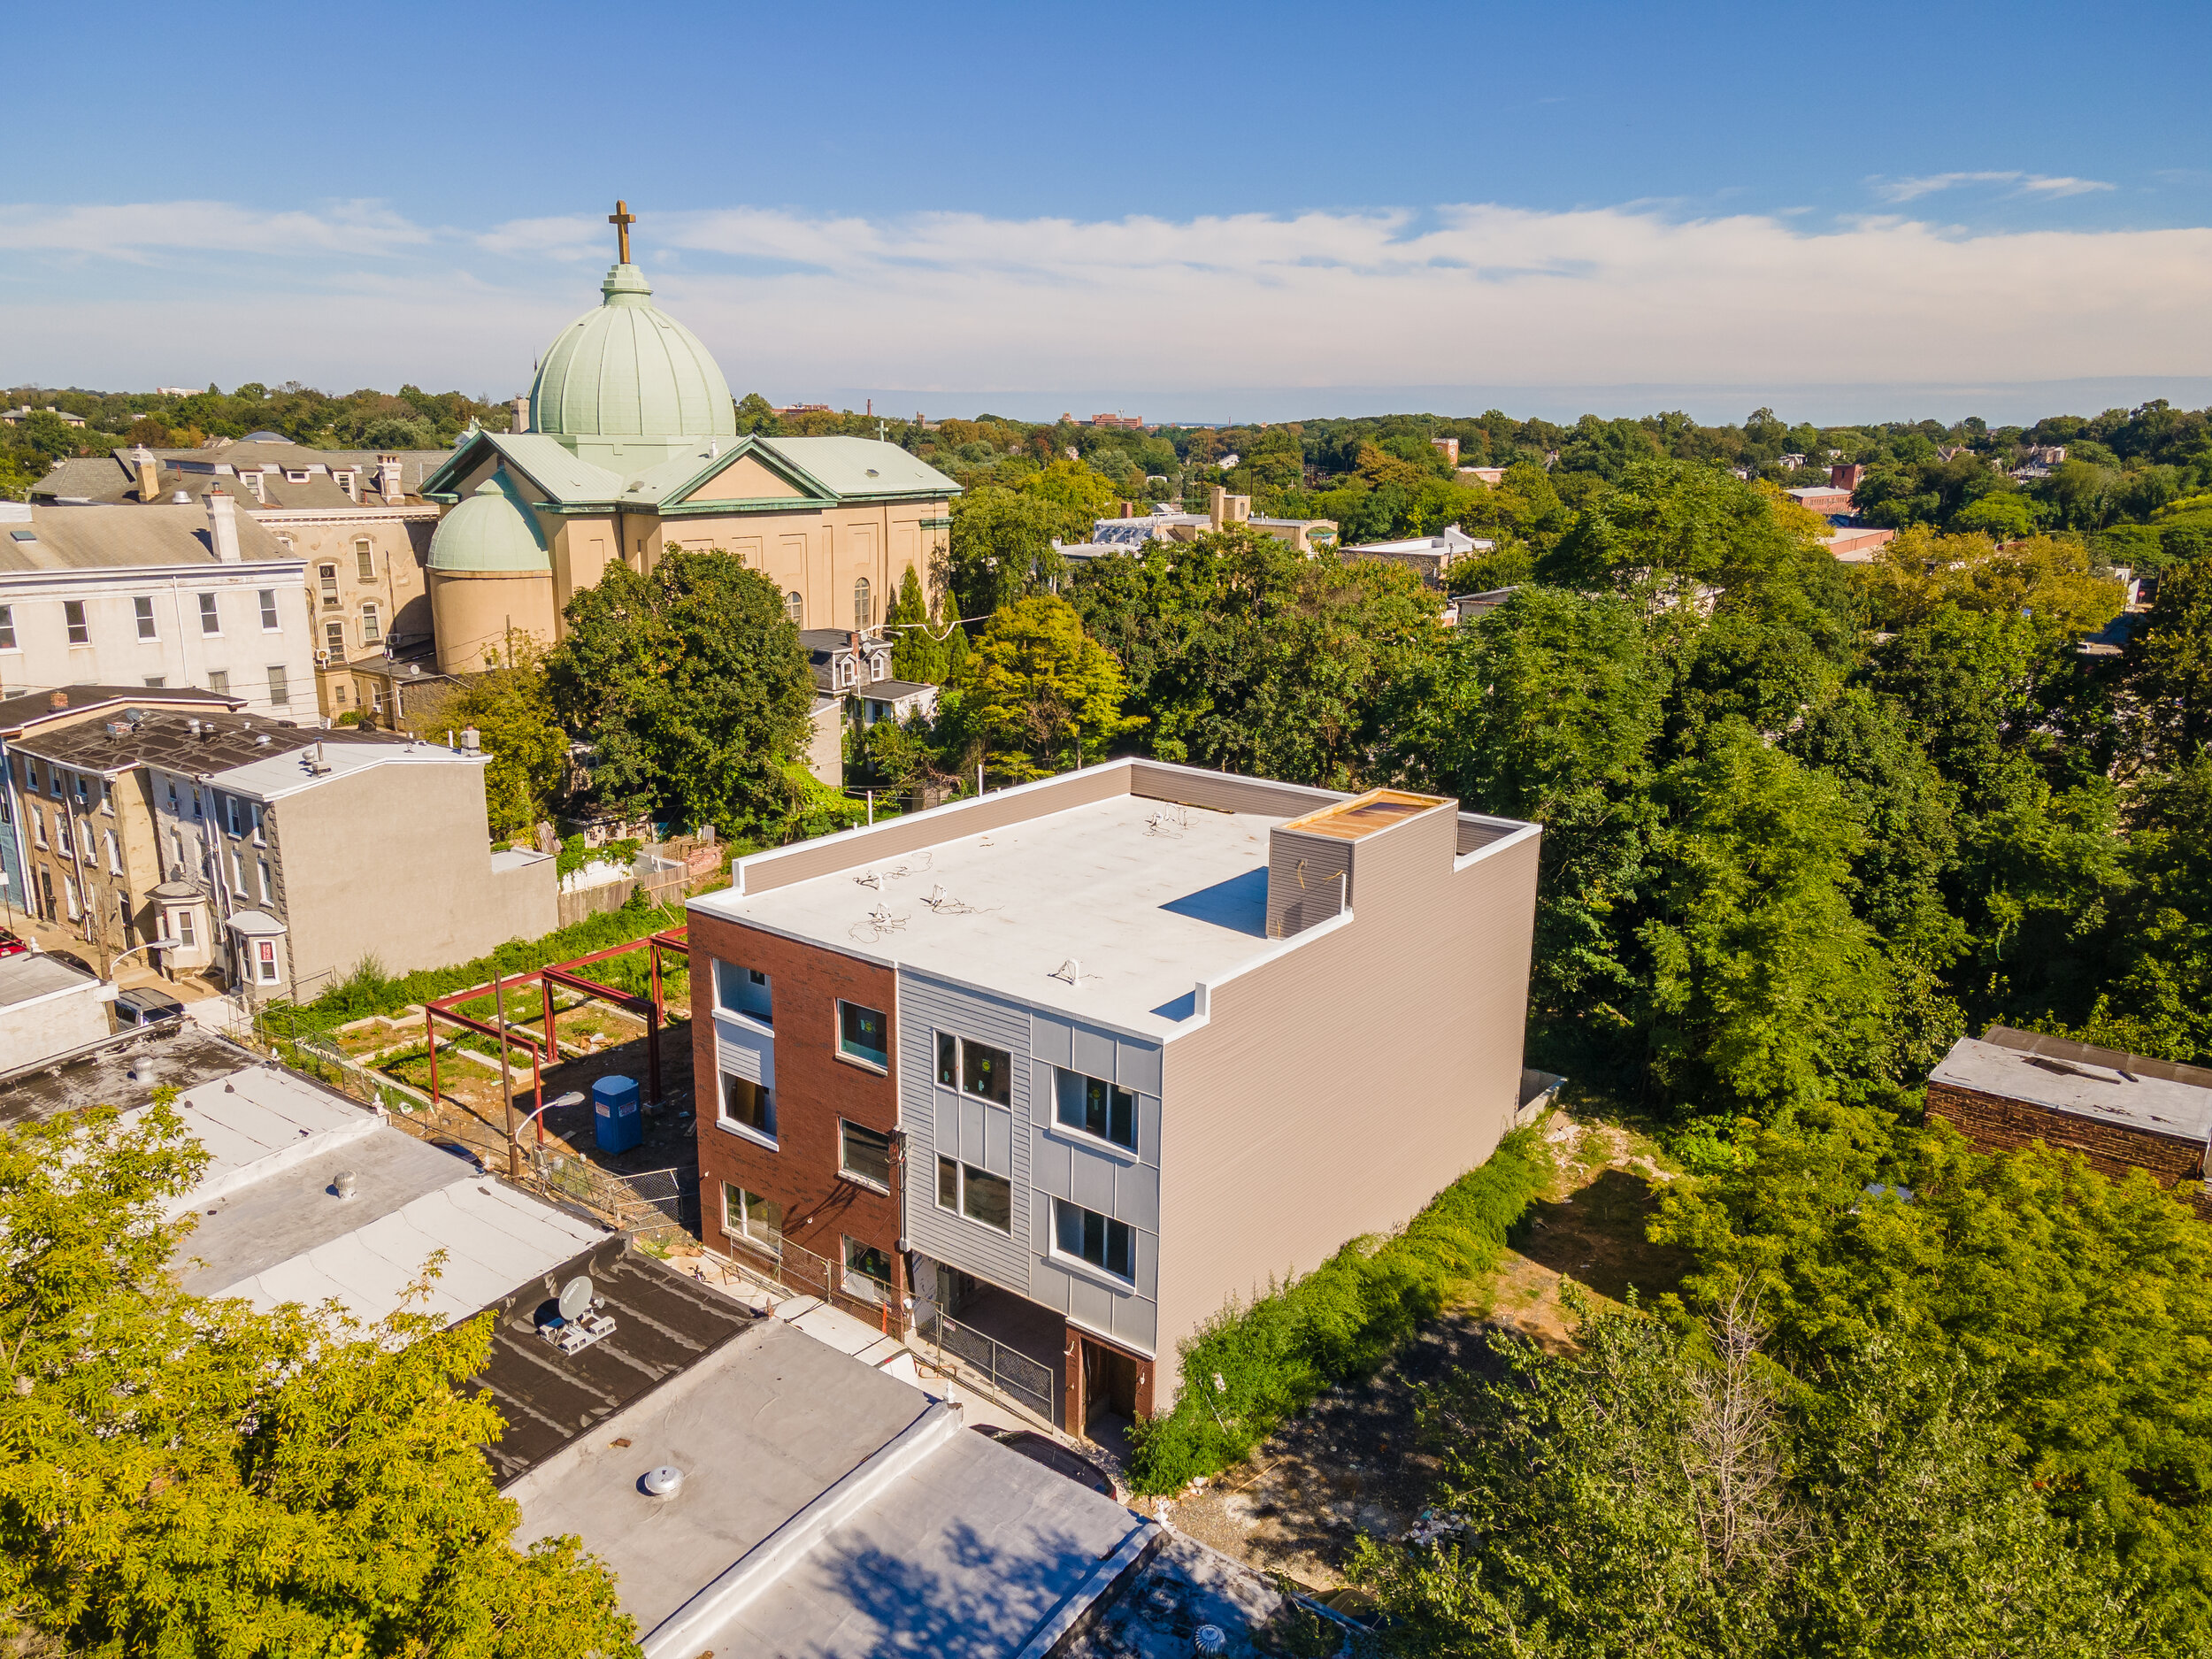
column 1023, row 1143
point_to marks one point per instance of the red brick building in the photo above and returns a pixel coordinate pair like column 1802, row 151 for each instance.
column 2120, row 1111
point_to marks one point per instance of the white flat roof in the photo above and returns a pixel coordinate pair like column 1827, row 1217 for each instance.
column 2080, row 1088
column 269, row 1225
column 284, row 774
column 1146, row 898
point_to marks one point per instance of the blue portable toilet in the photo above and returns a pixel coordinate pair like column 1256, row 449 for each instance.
column 615, row 1120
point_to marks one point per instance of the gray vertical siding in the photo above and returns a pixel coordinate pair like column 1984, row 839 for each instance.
column 1334, row 1090
column 1042, row 1161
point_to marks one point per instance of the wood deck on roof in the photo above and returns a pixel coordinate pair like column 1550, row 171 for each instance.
column 1377, row 810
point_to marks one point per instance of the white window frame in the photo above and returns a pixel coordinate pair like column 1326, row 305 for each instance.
column 737, row 1126
column 75, row 620
column 271, row 622
column 142, row 614
column 860, row 1058
column 958, row 1208
column 211, row 616
column 1096, row 1270
column 740, row 1226
column 365, row 559
column 279, row 688
column 7, row 629
column 372, row 624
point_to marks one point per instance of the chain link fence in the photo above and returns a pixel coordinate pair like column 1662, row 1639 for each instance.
column 648, row 1203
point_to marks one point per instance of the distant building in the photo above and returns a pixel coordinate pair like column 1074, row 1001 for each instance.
column 1493, row 476
column 276, row 856
column 1825, row 499
column 16, row 416
column 2046, row 454
column 1474, row 607
column 1791, row 462
column 1858, row 544
column 1129, row 533
column 1428, row 556
column 1447, row 446
column 190, row 593
column 2121, row 1111
column 1845, row 475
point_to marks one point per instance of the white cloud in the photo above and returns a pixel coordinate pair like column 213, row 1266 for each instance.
column 790, row 303
column 2035, row 184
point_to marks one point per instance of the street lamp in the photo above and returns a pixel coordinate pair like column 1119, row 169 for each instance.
column 151, row 944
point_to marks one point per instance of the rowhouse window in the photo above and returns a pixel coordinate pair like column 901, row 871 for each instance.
column 186, row 936
column 371, row 627
column 73, row 613
column 211, row 618
column 218, row 681
column 1097, row 1108
column 1099, row 1240
column 329, row 575
column 269, row 624
column 365, row 559
column 867, row 1271
column 976, row 1193
column 986, row 1071
column 750, row 1104
column 279, row 693
column 749, row 1216
column 334, row 639
column 143, row 608
column 864, row 1154
column 864, row 1033
column 266, row 960
column 7, row 627
column 744, row 991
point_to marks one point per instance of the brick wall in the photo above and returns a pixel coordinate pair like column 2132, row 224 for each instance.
column 815, row 1087
column 1994, row 1123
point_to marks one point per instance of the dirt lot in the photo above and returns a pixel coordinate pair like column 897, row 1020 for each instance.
column 1353, row 1462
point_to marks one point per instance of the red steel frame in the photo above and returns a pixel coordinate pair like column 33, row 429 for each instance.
column 652, row 1008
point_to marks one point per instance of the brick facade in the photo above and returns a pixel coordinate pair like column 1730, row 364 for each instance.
column 815, row 1087
column 1994, row 1123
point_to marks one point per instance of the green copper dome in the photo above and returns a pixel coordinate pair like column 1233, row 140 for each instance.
column 490, row 534
column 629, row 370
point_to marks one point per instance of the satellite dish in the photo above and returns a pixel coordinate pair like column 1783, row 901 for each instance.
column 576, row 1297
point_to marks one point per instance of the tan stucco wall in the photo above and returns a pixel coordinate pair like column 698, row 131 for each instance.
column 819, row 554
column 1337, row 1088
column 746, row 478
column 474, row 614
column 395, row 861
column 399, row 550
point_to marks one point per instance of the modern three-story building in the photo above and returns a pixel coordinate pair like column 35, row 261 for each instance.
column 1077, row 1063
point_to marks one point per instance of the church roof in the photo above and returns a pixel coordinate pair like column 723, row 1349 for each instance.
column 822, row 472
column 491, row 532
column 861, row 467
column 627, row 369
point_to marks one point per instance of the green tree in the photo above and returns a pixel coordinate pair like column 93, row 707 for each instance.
column 1649, row 1495
column 2170, row 661
column 999, row 548
column 1765, row 989
column 1039, row 694
column 194, row 1478
column 511, row 709
column 48, row 435
column 2086, row 1303
column 917, row 653
column 1548, row 710
column 690, row 687
column 757, row 414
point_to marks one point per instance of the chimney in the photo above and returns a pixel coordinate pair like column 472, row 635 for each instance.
column 222, row 525
column 522, row 415
column 148, row 472
column 1128, row 509
column 1845, row 475
column 1217, row 505
column 388, row 479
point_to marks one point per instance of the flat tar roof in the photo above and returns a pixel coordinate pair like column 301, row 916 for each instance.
column 825, row 1508
column 1146, row 898
column 2081, row 1085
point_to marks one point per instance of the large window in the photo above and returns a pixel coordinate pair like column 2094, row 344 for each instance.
column 73, row 613
column 211, row 617
column 371, row 627
column 867, row 1271
column 744, row 991
column 329, row 579
column 1099, row 1240
column 976, row 1193
column 864, row 1033
column 269, row 624
column 864, row 1154
column 863, row 604
column 748, row 1104
column 1097, row 1108
column 143, row 608
column 365, row 559
column 975, row 1068
column 751, row 1216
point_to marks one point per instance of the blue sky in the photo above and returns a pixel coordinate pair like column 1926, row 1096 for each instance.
column 1193, row 212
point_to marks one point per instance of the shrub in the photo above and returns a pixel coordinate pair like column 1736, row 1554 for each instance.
column 1252, row 1365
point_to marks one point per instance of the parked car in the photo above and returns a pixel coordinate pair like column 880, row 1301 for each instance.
column 145, row 1005
column 13, row 944
column 1040, row 1448
column 69, row 959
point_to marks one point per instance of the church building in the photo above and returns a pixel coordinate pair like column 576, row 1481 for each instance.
column 632, row 448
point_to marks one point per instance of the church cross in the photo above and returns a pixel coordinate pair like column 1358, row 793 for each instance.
column 622, row 218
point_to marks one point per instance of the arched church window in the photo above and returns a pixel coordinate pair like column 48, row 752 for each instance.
column 863, row 604
column 796, row 606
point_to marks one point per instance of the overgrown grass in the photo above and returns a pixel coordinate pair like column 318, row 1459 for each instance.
column 1252, row 1365
column 368, row 989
